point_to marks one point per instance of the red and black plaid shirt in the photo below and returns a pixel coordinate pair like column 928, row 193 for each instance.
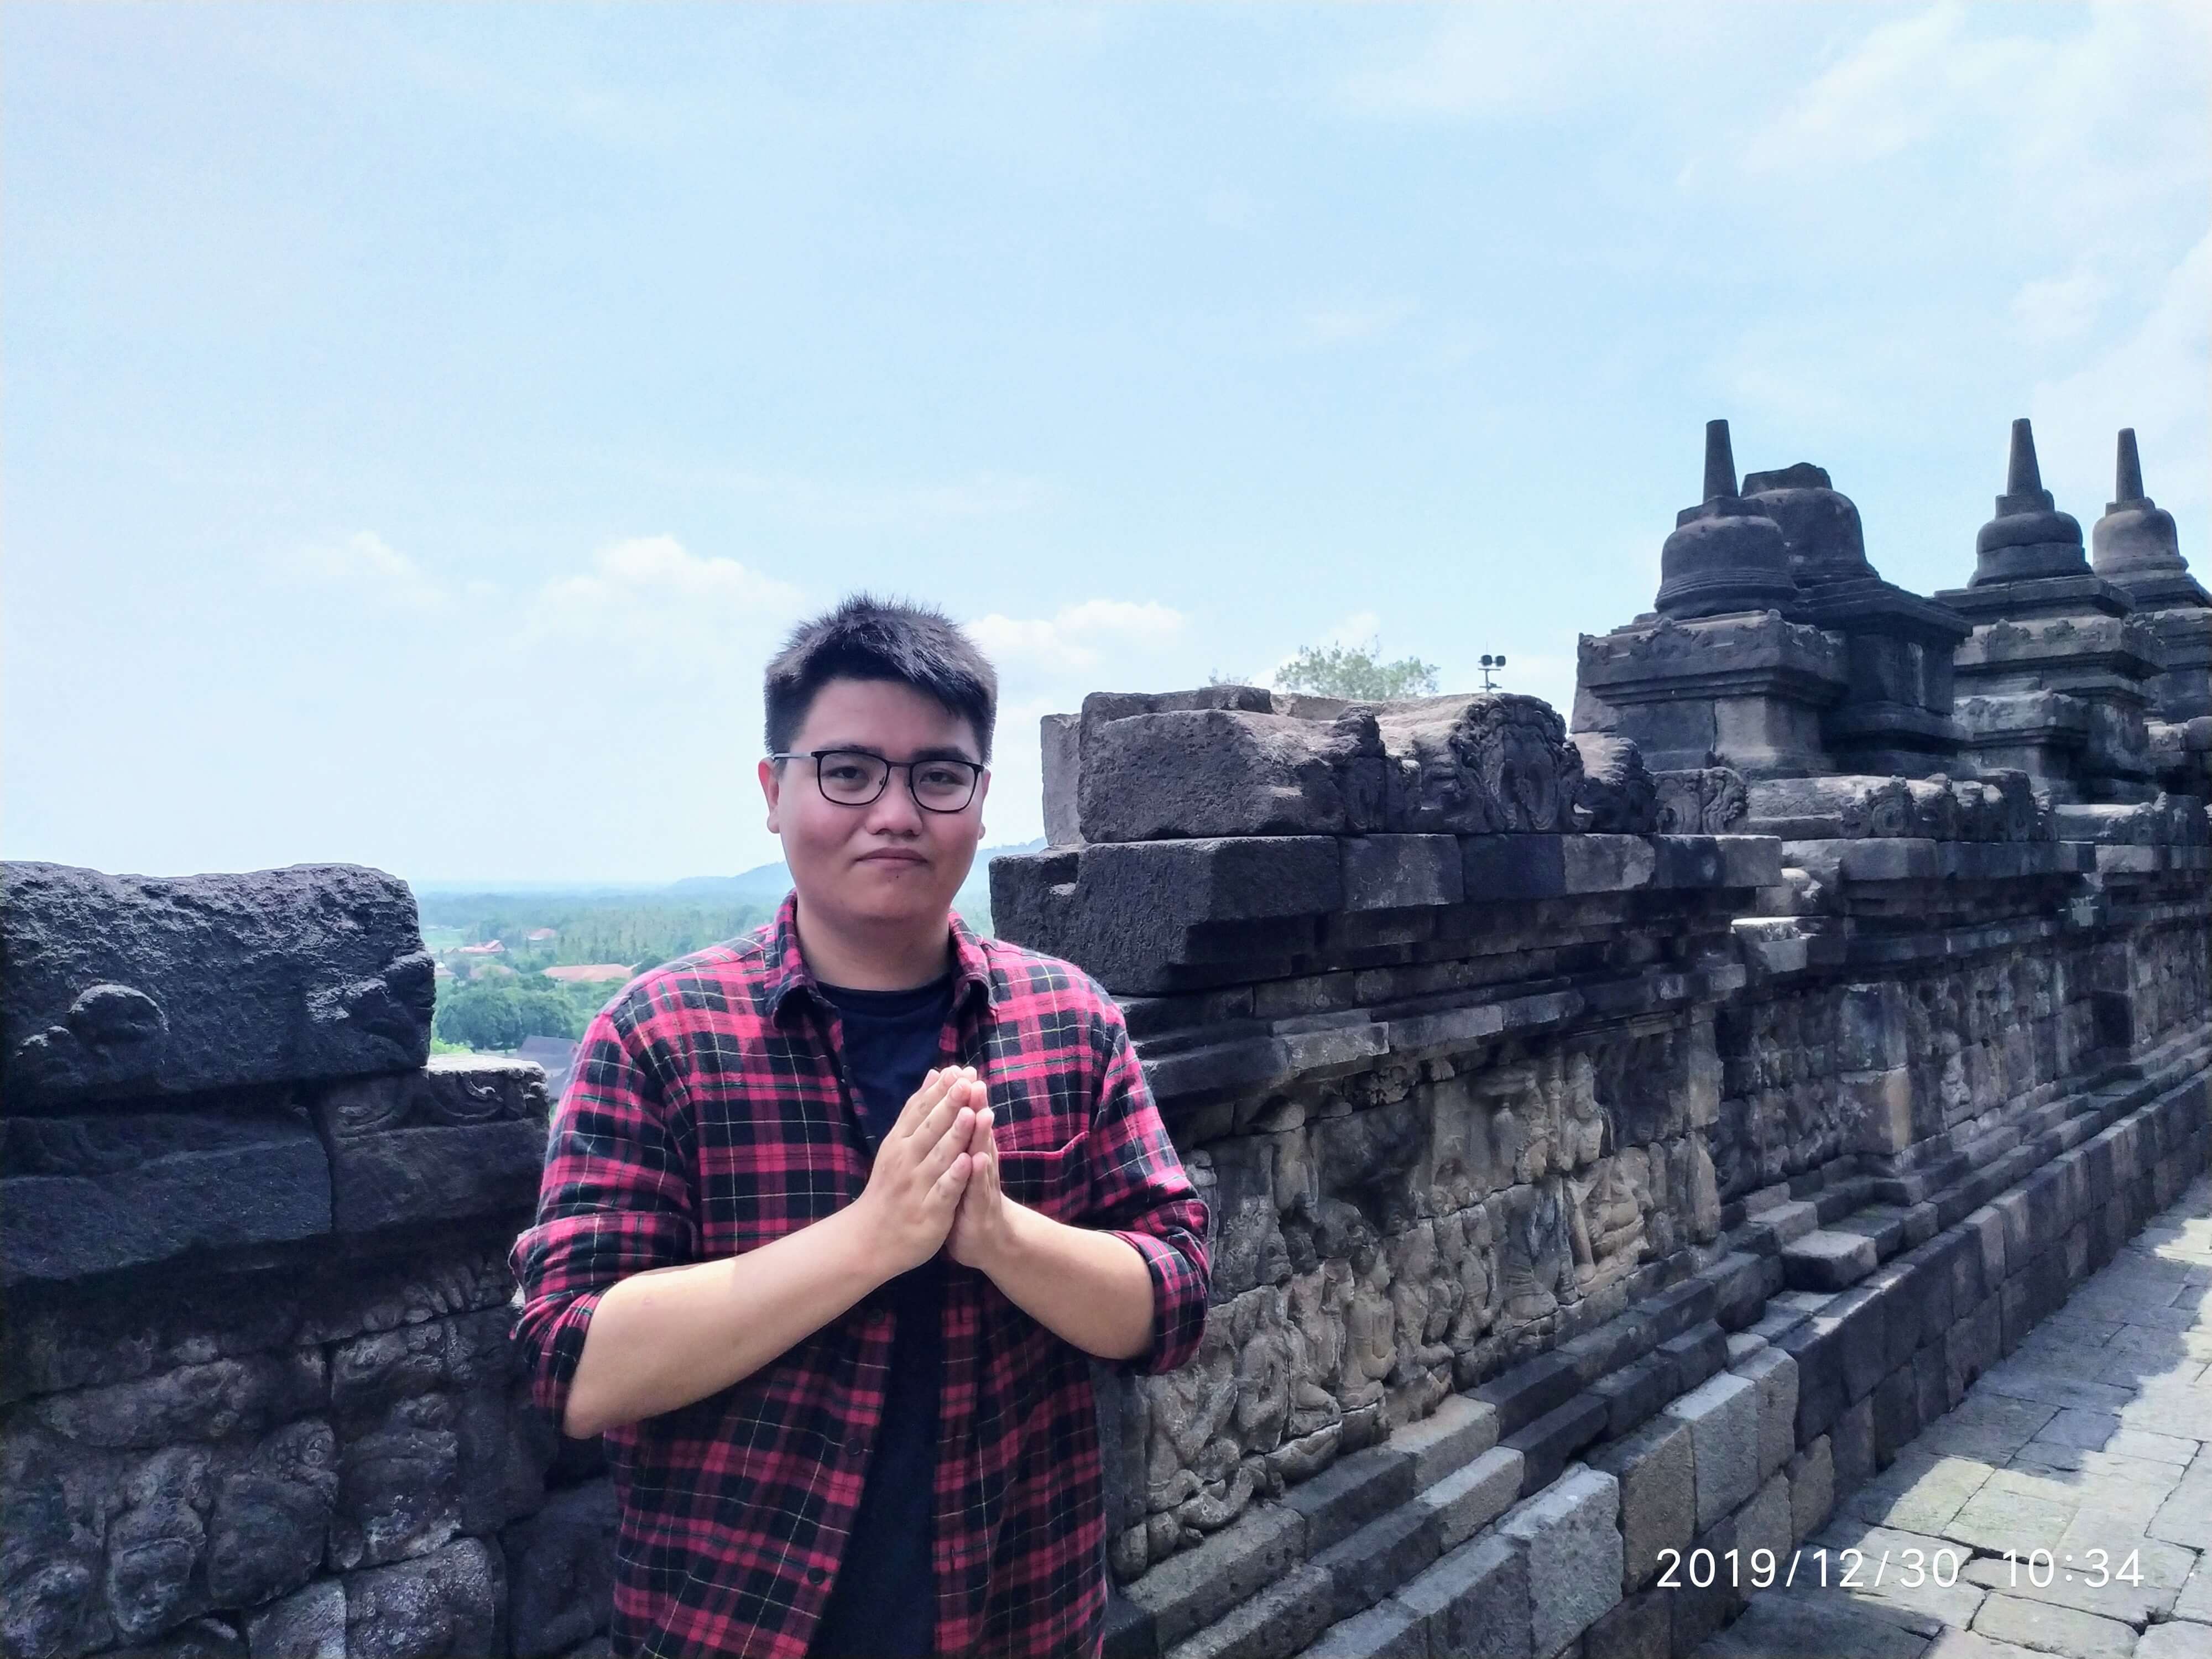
column 707, row 1114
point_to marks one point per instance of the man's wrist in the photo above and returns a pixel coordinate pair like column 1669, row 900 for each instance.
column 858, row 1245
column 1010, row 1241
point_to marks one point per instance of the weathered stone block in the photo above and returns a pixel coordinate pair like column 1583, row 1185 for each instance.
column 1774, row 1374
column 1394, row 873
column 1527, row 1391
column 1638, row 1627
column 1633, row 1393
column 1861, row 1316
column 1378, row 1557
column 202, row 1639
column 560, row 1572
column 1469, row 1499
column 1696, row 1355
column 1553, row 1438
column 1282, row 1619
column 1681, row 1308
column 308, row 1624
column 1572, row 1533
column 1722, row 1416
column 1764, row 1523
column 1812, row 1474
column 463, row 1137
column 1851, row 1444
column 1656, row 1471
column 271, row 1516
column 1194, row 1588
column 445, row 1603
column 108, row 993
column 1475, row 1601
column 1696, row 1613
column 1133, row 915
column 1390, row 1631
column 1060, row 744
column 1824, row 1261
column 1457, row 1432
column 1193, row 772
column 88, row 1194
column 224, row 1397
column 1896, row 1414
column 1972, row 1346
column 1349, row 1493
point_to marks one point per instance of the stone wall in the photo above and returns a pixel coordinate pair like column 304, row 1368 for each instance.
column 256, row 1391
column 1578, row 1192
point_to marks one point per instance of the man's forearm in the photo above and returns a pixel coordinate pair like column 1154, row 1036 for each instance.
column 664, row 1339
column 1092, row 1289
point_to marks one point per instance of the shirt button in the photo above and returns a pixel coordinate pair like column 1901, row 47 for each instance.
column 855, row 1449
column 815, row 1576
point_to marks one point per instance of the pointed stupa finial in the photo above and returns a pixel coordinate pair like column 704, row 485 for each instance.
column 1725, row 555
column 2022, row 475
column 2127, row 476
column 2029, row 538
column 2136, row 543
column 1720, row 462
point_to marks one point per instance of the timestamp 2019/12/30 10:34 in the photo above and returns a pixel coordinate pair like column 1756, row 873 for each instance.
column 1851, row 1569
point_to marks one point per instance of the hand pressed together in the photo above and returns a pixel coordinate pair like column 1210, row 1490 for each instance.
column 982, row 1227
column 921, row 1169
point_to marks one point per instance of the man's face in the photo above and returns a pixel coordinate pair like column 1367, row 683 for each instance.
column 890, row 861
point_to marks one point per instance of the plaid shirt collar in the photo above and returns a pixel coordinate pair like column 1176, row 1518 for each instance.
column 790, row 976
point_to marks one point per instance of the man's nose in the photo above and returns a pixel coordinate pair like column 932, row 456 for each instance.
column 894, row 812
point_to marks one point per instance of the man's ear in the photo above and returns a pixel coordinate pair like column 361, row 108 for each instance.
column 772, row 788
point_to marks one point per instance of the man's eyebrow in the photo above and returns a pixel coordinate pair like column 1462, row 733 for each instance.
column 941, row 751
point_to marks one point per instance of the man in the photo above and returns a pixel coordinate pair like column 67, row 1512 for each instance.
column 834, row 1215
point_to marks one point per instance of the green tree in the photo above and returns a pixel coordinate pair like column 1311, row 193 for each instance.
column 1356, row 672
column 498, row 1013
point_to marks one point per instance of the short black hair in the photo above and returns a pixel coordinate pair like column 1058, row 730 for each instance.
column 869, row 639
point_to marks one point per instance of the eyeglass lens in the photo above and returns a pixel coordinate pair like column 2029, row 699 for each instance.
column 854, row 777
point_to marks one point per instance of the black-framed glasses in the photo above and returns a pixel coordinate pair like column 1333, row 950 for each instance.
column 854, row 777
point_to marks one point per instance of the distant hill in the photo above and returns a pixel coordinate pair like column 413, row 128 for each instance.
column 764, row 883
column 522, row 905
column 767, row 884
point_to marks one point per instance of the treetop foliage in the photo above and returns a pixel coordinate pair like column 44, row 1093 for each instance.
column 1356, row 672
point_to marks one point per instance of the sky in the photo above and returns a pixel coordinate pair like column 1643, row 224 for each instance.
column 418, row 425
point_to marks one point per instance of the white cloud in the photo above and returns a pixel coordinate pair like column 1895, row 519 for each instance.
column 849, row 505
column 1339, row 326
column 2057, row 308
column 2155, row 381
column 1501, row 61
column 1894, row 91
column 653, row 605
column 1228, row 208
column 1077, row 637
column 368, row 569
column 2087, row 131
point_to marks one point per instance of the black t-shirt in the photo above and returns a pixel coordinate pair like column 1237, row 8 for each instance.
column 883, row 1604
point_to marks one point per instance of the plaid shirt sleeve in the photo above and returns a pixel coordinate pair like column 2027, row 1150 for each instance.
column 1139, row 1192
column 614, row 1199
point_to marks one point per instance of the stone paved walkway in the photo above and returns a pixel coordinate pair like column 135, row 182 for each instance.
column 2091, row 1436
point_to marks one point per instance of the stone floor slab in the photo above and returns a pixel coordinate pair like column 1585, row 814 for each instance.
column 1988, row 1425
column 1776, row 1626
column 2049, row 1629
column 2074, row 1588
column 1965, row 1645
column 2179, row 1640
column 2092, row 1435
column 1919, row 1492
